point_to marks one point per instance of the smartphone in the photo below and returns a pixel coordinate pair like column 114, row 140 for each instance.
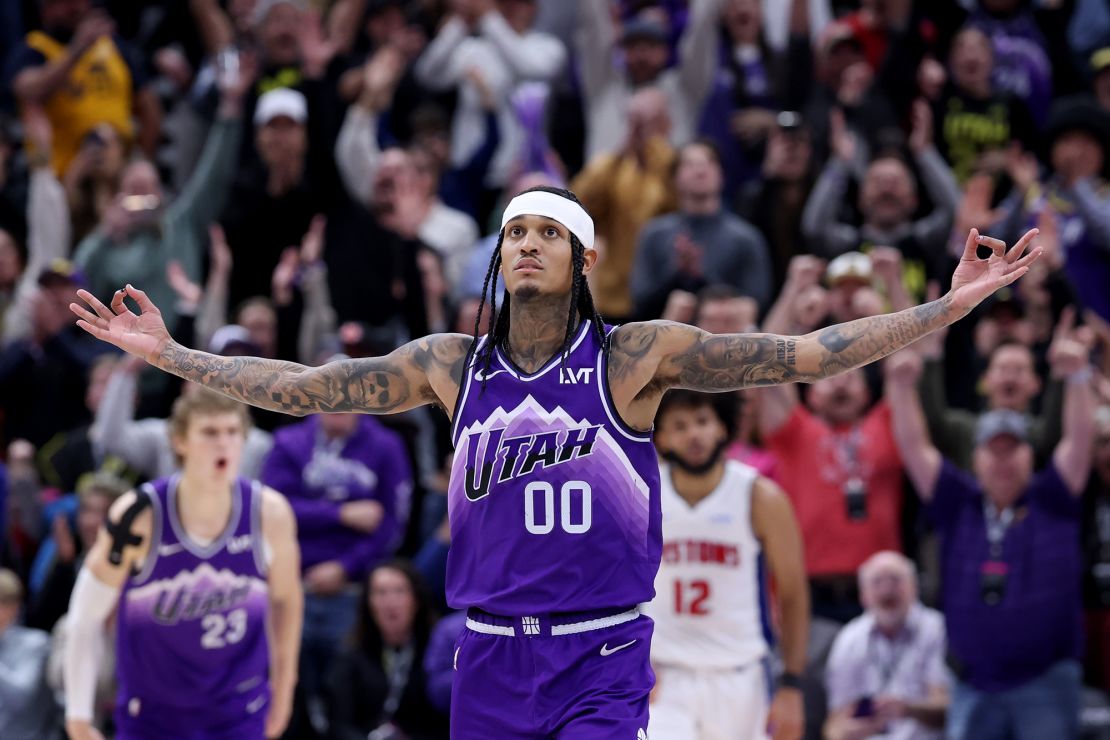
column 865, row 707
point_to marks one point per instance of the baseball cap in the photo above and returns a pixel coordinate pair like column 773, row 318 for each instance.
column 265, row 6
column 849, row 266
column 280, row 102
column 232, row 339
column 998, row 422
column 61, row 271
column 641, row 28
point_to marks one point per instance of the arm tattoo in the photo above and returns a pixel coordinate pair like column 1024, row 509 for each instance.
column 720, row 362
column 377, row 385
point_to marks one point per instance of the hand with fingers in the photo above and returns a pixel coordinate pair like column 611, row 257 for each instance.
column 1070, row 350
column 188, row 293
column 143, row 335
column 974, row 279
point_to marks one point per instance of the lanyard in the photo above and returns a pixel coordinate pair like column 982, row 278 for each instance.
column 997, row 524
column 888, row 658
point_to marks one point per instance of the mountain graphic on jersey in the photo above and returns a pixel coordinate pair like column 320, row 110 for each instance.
column 193, row 594
column 529, row 441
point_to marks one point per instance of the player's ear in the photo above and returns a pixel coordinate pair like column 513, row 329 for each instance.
column 589, row 259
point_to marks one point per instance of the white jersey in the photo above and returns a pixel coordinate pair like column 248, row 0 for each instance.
column 708, row 592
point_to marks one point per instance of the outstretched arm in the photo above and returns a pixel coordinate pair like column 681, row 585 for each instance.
column 690, row 358
column 425, row 371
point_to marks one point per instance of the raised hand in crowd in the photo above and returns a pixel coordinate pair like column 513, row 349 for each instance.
column 219, row 253
column 295, row 259
column 921, row 132
column 974, row 211
column 1022, row 167
column 283, row 277
column 886, row 264
column 234, row 79
column 380, row 76
column 317, row 48
column 94, row 26
column 1070, row 350
column 189, row 294
column 842, row 141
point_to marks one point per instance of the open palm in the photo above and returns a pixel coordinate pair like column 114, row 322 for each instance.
column 975, row 279
column 144, row 335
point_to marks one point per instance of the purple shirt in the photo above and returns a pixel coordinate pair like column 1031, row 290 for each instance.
column 553, row 500
column 1038, row 621
column 191, row 638
column 1021, row 64
column 318, row 476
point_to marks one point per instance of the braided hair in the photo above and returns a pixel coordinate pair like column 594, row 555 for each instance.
column 581, row 301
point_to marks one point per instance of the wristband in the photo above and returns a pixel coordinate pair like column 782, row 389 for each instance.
column 790, row 681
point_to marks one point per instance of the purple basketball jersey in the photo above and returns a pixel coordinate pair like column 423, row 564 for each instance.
column 554, row 501
column 191, row 638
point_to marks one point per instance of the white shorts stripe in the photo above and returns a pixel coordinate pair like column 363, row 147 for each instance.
column 594, row 624
column 489, row 629
column 557, row 629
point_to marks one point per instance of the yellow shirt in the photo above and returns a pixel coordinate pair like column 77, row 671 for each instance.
column 96, row 90
column 622, row 195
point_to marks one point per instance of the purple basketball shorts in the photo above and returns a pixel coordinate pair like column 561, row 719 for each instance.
column 573, row 677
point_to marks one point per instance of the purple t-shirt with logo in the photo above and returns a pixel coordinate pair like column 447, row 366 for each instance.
column 553, row 500
column 191, row 639
column 1038, row 621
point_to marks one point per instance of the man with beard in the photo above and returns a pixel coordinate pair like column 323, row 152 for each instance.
column 886, row 674
column 722, row 522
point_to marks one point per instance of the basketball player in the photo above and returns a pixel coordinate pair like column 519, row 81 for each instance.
column 720, row 518
column 203, row 572
column 554, row 490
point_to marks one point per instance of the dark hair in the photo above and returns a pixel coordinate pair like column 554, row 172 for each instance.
column 581, row 301
column 726, row 405
column 702, row 142
column 368, row 638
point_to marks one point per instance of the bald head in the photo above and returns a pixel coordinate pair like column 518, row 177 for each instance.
column 888, row 588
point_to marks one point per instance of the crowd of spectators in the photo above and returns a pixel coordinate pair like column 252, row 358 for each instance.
column 312, row 179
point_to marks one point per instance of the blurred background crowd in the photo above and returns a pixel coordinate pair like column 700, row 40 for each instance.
column 308, row 179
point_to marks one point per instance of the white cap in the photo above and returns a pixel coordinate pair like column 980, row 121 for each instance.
column 228, row 335
column 263, row 8
column 280, row 102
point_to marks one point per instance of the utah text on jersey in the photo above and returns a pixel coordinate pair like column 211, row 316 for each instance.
column 521, row 455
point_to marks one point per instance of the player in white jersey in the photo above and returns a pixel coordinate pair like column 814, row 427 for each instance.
column 720, row 518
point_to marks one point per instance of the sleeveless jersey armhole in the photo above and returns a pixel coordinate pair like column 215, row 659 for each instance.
column 464, row 388
column 637, row 435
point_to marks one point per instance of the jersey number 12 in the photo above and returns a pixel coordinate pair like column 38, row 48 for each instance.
column 690, row 597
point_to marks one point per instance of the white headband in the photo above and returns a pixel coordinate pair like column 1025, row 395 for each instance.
column 555, row 207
